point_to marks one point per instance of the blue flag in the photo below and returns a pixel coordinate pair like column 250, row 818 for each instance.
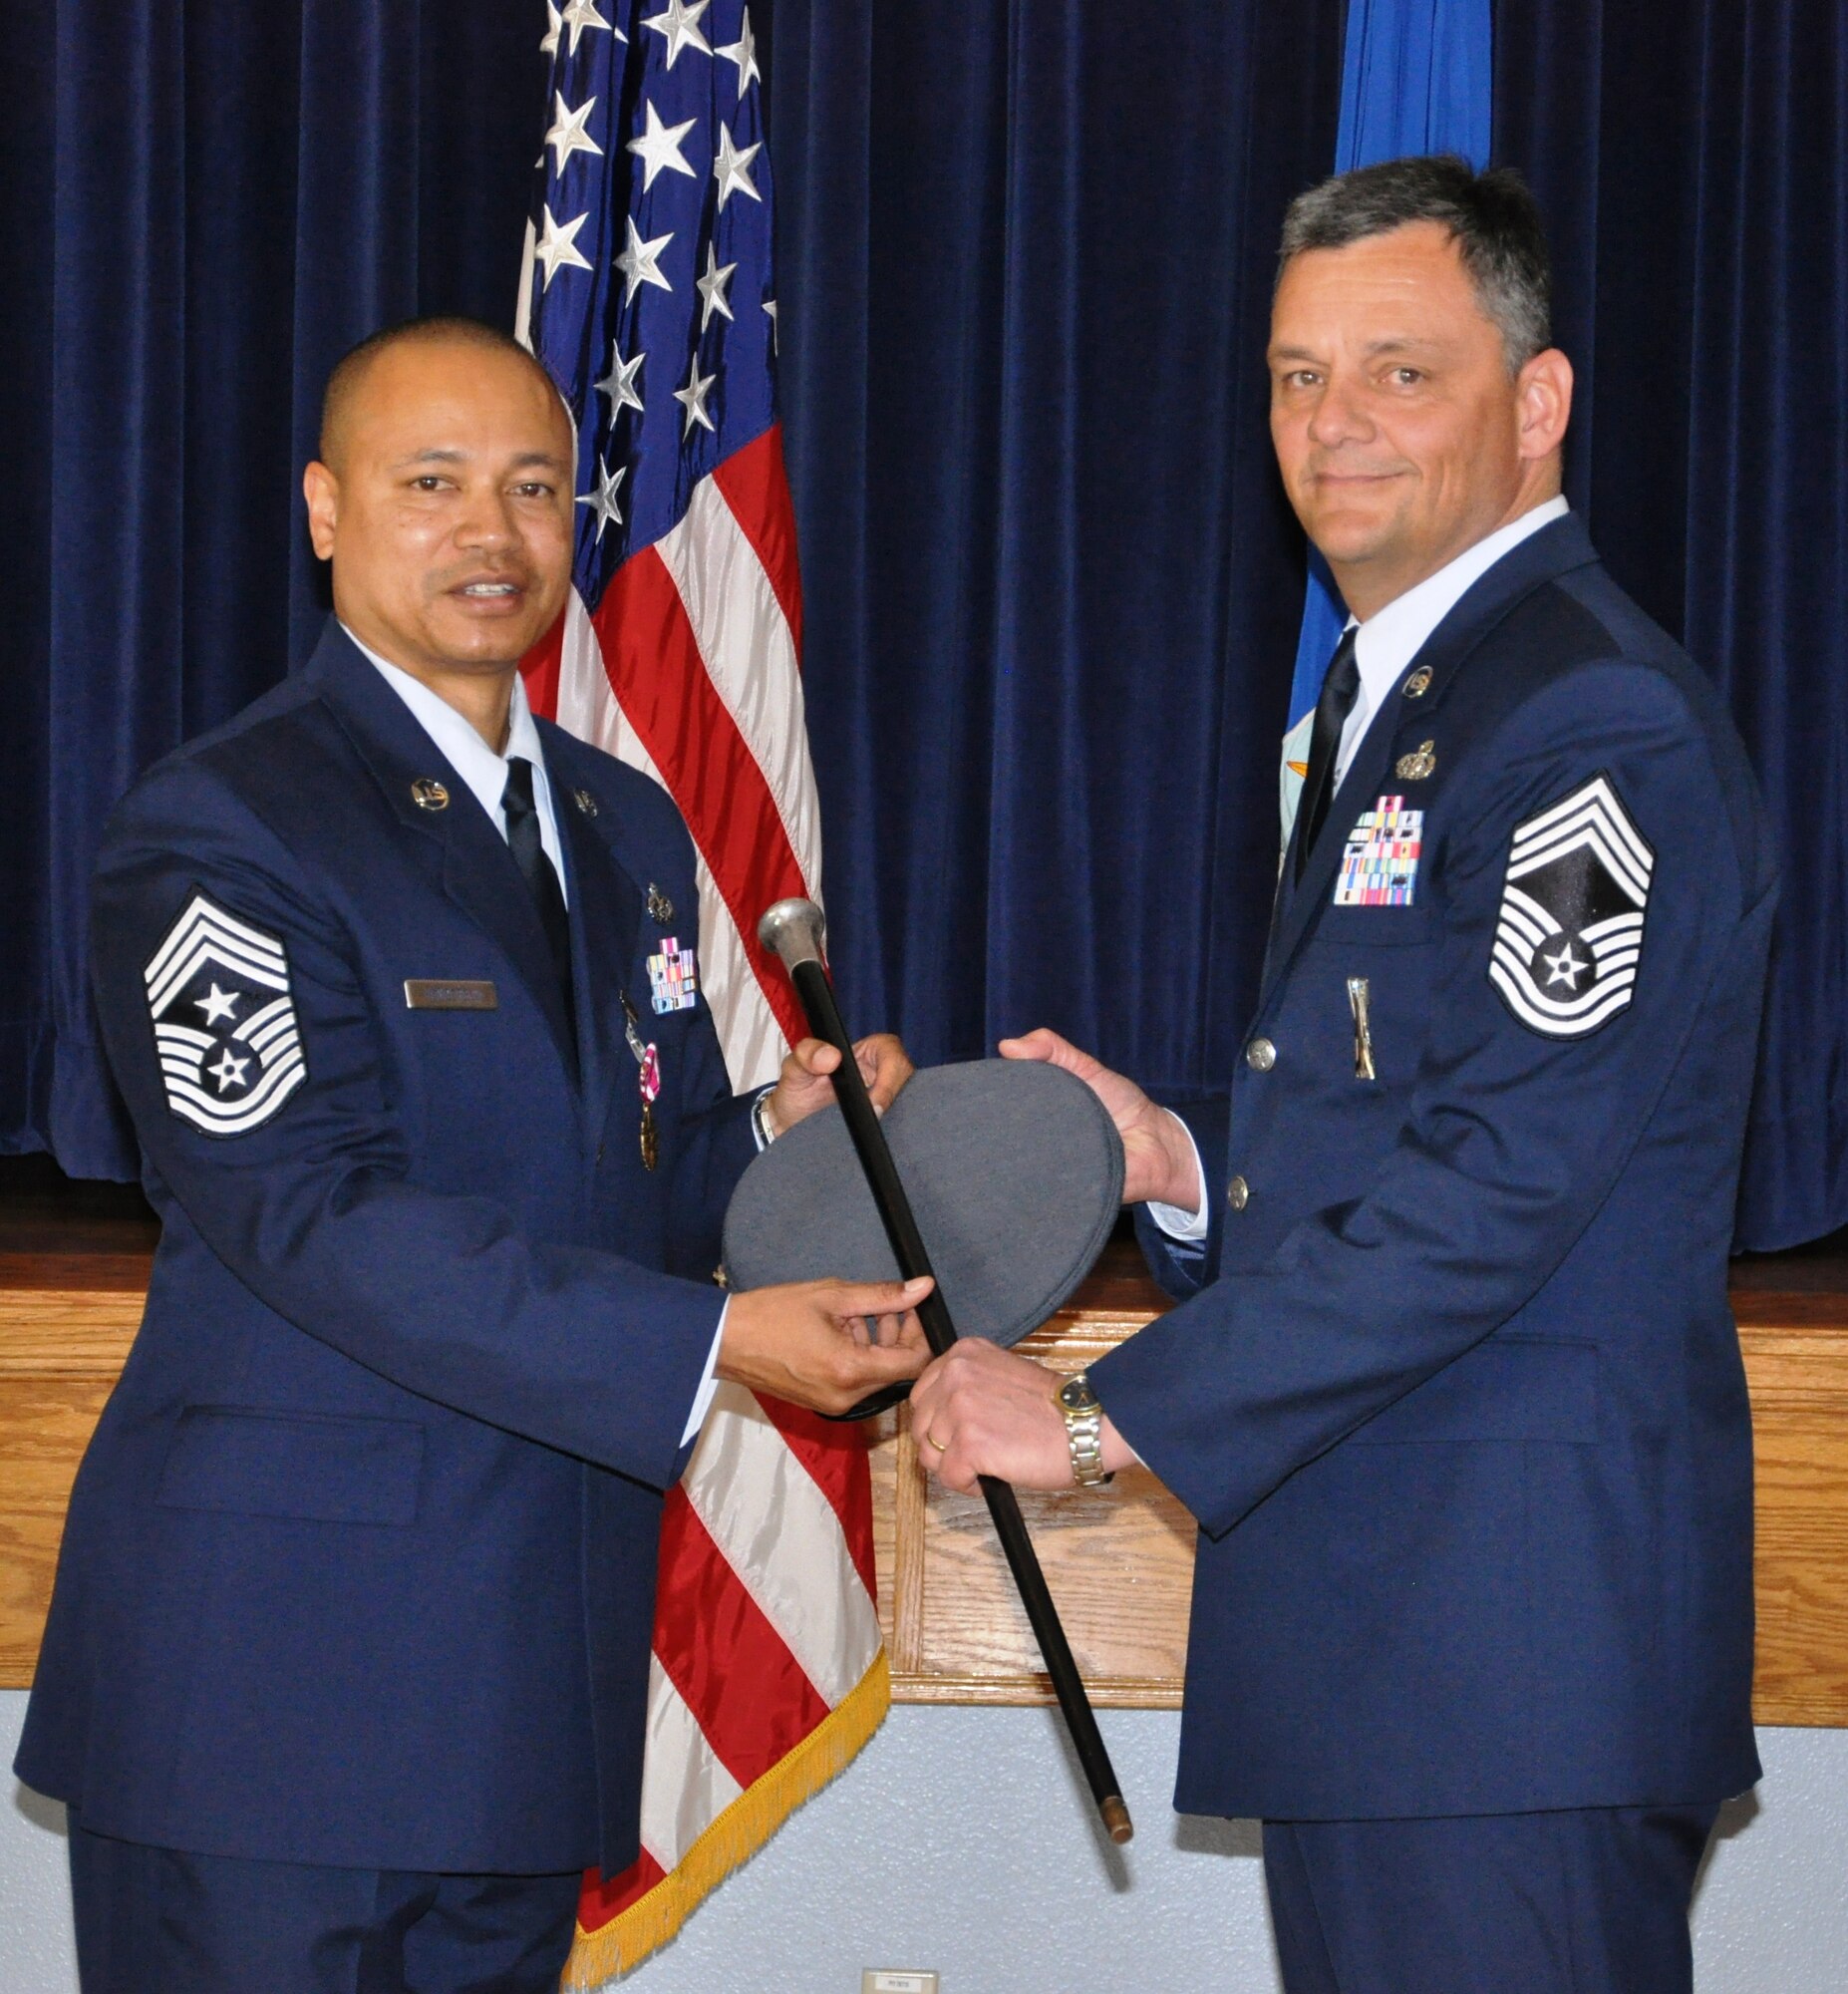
column 1415, row 78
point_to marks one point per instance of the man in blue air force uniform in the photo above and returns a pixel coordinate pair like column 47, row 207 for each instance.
column 1453, row 1388
column 345, row 1672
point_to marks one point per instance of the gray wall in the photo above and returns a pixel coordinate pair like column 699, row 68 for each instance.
column 959, row 1841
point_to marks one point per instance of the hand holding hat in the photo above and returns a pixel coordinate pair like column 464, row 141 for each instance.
column 824, row 1344
column 1160, row 1164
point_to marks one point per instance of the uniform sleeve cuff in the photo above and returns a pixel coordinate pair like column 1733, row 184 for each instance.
column 1185, row 1228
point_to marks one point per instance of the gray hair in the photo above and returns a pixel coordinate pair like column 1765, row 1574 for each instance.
column 1492, row 216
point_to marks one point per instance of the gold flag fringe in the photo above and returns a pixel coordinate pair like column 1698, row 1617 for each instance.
column 604, row 1956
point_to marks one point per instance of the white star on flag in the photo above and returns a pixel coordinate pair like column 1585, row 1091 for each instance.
column 602, row 501
column 744, row 51
column 553, row 22
column 217, row 1004
column 639, row 260
column 693, row 395
column 711, row 287
column 678, row 27
column 568, row 134
column 553, row 247
column 658, row 147
column 582, row 15
column 731, row 168
column 769, row 306
column 619, row 383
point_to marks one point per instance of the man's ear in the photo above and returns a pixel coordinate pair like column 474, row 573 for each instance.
column 321, row 488
column 1543, row 397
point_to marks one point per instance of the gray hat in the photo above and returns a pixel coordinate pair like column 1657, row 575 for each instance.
column 1013, row 1171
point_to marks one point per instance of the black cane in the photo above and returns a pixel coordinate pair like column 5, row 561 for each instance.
column 794, row 930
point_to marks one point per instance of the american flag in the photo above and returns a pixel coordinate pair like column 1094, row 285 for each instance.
column 648, row 291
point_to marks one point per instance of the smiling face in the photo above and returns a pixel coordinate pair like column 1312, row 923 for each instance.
column 1401, row 435
column 444, row 505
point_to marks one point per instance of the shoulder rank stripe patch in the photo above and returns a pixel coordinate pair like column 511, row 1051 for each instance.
column 224, row 1020
column 1569, row 935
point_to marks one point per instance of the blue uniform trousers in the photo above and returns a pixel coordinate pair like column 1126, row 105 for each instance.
column 1592, row 1901
column 165, row 1921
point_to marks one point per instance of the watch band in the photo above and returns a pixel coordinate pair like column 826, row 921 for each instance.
column 760, row 1122
column 1083, row 1431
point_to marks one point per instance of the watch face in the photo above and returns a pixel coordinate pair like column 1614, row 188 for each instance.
column 1077, row 1396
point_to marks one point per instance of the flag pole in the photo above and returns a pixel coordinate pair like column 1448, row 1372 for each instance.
column 792, row 929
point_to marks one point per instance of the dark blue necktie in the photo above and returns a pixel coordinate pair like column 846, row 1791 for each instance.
column 535, row 868
column 1341, row 686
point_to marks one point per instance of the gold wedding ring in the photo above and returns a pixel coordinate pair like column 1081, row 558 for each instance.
column 942, row 1447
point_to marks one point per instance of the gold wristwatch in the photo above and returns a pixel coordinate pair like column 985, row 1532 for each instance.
column 1083, row 1430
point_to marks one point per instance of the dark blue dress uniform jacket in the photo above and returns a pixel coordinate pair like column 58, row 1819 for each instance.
column 360, row 1565
column 1456, row 1396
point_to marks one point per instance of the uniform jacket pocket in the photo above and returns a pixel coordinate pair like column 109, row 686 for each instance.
column 1510, row 1387
column 315, row 1466
column 1377, row 927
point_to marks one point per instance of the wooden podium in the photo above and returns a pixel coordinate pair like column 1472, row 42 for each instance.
column 1119, row 1561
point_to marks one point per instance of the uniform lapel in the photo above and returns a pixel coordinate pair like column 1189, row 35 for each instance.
column 1359, row 787
column 606, row 912
column 477, row 870
column 1552, row 552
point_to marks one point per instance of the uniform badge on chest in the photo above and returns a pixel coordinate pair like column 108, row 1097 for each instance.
column 648, row 1083
column 674, row 978
column 1380, row 862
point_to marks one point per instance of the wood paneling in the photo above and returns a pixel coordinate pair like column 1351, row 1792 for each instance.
column 61, row 1350
column 1119, row 1561
column 1797, row 1362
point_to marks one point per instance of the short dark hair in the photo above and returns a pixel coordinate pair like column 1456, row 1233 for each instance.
column 438, row 330
column 1492, row 216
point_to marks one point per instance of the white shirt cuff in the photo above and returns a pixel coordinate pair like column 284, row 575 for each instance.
column 1186, row 1228
column 760, row 1128
column 709, row 1383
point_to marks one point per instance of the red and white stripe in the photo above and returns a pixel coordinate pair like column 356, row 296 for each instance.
column 766, row 1616
column 770, row 1623
column 689, row 670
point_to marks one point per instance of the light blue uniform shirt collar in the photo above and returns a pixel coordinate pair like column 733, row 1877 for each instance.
column 474, row 759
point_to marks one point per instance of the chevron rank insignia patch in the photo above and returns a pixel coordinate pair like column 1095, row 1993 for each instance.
column 1570, row 932
column 224, row 1020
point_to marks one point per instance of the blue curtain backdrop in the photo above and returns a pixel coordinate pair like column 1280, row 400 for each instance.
column 1050, row 583
column 201, row 206
column 1052, row 590
column 1693, row 163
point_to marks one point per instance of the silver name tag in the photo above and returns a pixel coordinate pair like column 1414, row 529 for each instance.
column 436, row 993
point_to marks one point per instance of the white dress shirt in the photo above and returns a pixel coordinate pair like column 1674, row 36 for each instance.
column 485, row 774
column 474, row 760
column 1384, row 648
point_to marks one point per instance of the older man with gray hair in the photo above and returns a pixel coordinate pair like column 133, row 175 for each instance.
column 1453, row 1388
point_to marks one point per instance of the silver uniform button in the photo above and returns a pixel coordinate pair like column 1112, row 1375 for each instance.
column 1260, row 1056
column 1238, row 1193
